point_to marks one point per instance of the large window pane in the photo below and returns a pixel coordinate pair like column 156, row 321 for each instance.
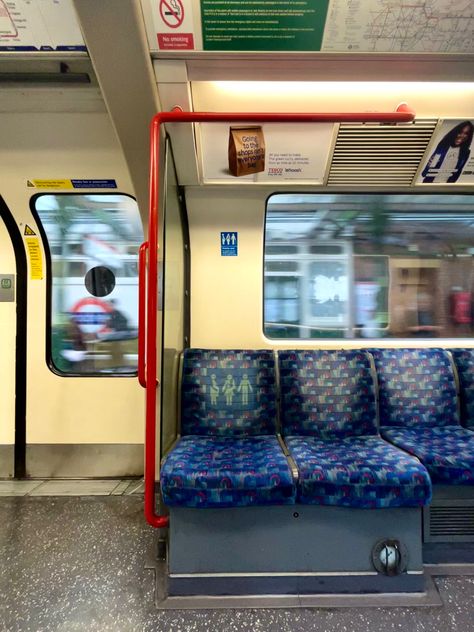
column 369, row 266
column 93, row 241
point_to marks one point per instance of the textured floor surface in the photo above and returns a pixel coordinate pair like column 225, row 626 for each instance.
column 77, row 563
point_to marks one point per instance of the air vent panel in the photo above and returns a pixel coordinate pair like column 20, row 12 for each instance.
column 379, row 155
column 453, row 522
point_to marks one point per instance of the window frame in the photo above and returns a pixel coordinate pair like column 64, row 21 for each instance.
column 442, row 191
column 49, row 284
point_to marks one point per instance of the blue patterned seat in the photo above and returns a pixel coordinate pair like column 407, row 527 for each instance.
column 418, row 412
column 228, row 393
column 227, row 472
column 328, row 413
column 447, row 452
column 416, row 388
column 229, row 455
column 464, row 361
column 327, row 393
column 362, row 472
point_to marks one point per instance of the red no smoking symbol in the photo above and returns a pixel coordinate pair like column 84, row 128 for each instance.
column 172, row 13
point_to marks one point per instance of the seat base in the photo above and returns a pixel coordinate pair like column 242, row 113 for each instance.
column 315, row 548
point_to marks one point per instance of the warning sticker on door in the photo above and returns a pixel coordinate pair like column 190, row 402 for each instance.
column 72, row 183
column 36, row 260
column 29, row 231
column 174, row 24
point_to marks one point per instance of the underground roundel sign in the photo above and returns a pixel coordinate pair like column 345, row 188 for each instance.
column 172, row 13
column 92, row 314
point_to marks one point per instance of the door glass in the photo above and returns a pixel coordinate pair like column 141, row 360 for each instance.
column 93, row 242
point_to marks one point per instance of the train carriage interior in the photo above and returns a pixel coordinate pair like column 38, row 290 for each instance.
column 237, row 315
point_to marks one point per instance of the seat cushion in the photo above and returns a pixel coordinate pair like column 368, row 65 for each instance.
column 416, row 388
column 228, row 393
column 447, row 453
column 464, row 361
column 328, row 394
column 226, row 472
column 362, row 472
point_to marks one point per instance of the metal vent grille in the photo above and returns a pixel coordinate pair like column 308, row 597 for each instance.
column 451, row 522
column 374, row 154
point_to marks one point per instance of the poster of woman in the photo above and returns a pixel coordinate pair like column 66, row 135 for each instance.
column 448, row 161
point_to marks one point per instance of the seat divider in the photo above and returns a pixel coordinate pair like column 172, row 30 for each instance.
column 373, row 371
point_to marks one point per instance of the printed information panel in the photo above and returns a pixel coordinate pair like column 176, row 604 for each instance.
column 392, row 26
column 45, row 25
column 265, row 153
column 263, row 26
column 450, row 158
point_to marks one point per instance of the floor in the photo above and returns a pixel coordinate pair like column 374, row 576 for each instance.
column 71, row 487
column 72, row 562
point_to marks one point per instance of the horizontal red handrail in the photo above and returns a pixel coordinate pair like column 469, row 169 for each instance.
column 142, row 313
column 403, row 114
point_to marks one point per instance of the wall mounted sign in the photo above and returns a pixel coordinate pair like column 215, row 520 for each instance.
column 450, row 156
column 265, row 153
column 229, row 244
column 39, row 25
column 263, row 26
column 67, row 183
column 391, row 26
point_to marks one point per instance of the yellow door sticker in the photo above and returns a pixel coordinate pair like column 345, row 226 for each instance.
column 29, row 231
column 36, row 260
column 51, row 184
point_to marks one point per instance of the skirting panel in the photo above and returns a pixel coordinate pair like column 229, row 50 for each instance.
column 288, row 539
column 94, row 460
column 296, row 585
column 7, row 461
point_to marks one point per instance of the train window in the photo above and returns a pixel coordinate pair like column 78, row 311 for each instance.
column 93, row 244
column 369, row 266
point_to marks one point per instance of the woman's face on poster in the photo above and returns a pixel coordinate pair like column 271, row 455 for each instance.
column 462, row 136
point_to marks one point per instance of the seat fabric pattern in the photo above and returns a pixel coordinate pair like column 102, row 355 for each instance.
column 416, row 388
column 464, row 361
column 328, row 394
column 361, row 472
column 447, row 453
column 228, row 393
column 227, row 472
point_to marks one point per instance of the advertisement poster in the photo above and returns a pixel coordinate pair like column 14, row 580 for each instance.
column 450, row 157
column 265, row 152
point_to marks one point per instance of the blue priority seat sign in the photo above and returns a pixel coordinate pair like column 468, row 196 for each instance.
column 229, row 243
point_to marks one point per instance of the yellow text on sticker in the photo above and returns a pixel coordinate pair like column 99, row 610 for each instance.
column 36, row 259
column 52, row 184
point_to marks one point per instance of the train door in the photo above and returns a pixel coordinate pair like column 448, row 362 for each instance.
column 12, row 354
column 60, row 157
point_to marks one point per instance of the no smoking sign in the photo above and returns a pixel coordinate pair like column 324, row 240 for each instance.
column 172, row 13
column 175, row 24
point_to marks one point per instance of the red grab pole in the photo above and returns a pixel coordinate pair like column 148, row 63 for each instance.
column 142, row 253
column 147, row 333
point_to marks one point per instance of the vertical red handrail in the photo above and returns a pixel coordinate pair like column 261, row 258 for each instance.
column 142, row 253
column 403, row 114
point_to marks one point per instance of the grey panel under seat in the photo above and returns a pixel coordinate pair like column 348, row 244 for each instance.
column 95, row 460
column 286, row 539
column 7, row 461
column 295, row 585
